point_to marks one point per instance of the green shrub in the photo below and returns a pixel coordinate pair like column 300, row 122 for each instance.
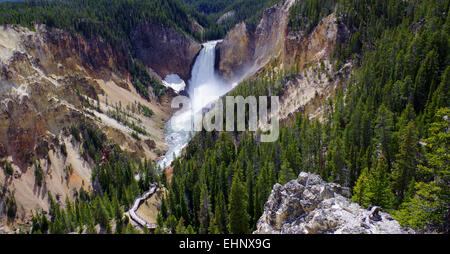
column 8, row 170
column 38, row 174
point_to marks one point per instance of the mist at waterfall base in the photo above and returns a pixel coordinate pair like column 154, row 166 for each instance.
column 204, row 87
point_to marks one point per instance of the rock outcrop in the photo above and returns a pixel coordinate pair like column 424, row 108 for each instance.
column 308, row 205
column 165, row 50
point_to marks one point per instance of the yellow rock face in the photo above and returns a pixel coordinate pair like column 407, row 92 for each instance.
column 50, row 80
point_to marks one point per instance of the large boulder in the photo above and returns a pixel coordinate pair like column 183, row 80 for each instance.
column 309, row 205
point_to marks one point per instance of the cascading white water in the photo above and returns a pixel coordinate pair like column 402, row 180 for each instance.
column 204, row 88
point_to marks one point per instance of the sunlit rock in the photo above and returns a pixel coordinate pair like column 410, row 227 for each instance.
column 309, row 205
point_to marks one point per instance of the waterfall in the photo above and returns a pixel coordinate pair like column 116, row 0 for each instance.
column 203, row 70
column 204, row 87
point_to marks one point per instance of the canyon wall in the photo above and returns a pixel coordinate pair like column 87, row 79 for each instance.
column 51, row 80
column 165, row 50
column 244, row 51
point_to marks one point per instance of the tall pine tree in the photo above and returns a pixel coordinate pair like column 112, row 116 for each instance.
column 406, row 162
column 238, row 216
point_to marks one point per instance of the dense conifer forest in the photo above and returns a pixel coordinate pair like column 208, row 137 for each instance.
column 385, row 135
column 243, row 10
column 112, row 20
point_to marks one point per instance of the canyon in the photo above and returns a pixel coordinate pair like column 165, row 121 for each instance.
column 50, row 81
column 53, row 81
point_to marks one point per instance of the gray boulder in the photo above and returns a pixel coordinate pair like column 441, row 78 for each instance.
column 309, row 205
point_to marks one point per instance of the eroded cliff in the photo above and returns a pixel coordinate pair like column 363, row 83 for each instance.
column 165, row 50
column 274, row 47
column 243, row 51
column 50, row 82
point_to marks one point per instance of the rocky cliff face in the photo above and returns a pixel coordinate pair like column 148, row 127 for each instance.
column 165, row 50
column 49, row 81
column 318, row 78
column 302, row 48
column 234, row 54
column 244, row 51
column 308, row 205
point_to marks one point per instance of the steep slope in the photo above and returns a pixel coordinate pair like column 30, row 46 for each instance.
column 274, row 47
column 309, row 54
column 70, row 96
column 305, row 59
column 244, row 51
column 51, row 82
column 156, row 33
column 165, row 50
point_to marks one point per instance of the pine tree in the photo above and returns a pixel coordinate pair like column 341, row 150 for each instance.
column 221, row 215
column 406, row 162
column 184, row 206
column 205, row 210
column 336, row 163
column 428, row 207
column 213, row 228
column 159, row 220
column 171, row 223
column 180, row 229
column 407, row 115
column 238, row 216
column 424, row 210
column 440, row 97
column 379, row 185
column 384, row 132
column 293, row 156
column 272, row 176
column 286, row 173
column 426, row 79
column 189, row 230
column 260, row 191
column 159, row 224
column 250, row 192
column 362, row 193
column 101, row 215
column 437, row 149
column 163, row 209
